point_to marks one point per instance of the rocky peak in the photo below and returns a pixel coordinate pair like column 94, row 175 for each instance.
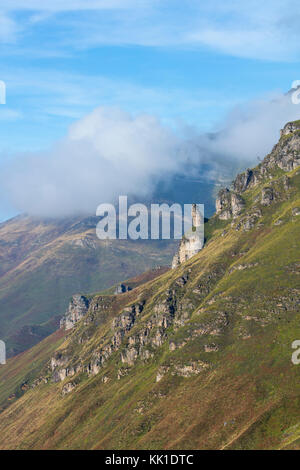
column 290, row 128
column 285, row 155
column 78, row 307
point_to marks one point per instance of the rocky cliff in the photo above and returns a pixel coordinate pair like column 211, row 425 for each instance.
column 285, row 156
column 191, row 242
column 78, row 307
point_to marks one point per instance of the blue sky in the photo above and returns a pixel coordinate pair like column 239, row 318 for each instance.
column 187, row 62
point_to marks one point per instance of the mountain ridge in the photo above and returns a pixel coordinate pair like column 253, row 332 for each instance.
column 199, row 357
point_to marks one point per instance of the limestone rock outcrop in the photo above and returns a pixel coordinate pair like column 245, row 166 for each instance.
column 67, row 388
column 191, row 242
column 267, row 196
column 229, row 204
column 290, row 128
column 296, row 211
column 122, row 288
column 223, row 204
column 244, row 181
column 78, row 307
column 285, row 156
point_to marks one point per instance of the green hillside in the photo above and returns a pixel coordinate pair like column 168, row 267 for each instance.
column 198, row 358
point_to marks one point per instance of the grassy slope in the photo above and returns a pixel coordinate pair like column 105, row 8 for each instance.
column 248, row 396
column 24, row 367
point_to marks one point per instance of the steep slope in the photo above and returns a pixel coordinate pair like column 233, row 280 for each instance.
column 44, row 262
column 199, row 357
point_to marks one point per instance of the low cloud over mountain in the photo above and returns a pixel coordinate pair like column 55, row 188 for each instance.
column 110, row 152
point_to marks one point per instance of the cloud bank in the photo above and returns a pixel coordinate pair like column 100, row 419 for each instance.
column 110, row 152
column 105, row 154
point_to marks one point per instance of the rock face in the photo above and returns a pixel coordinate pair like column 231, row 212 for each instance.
column 121, row 325
column 192, row 242
column 290, row 128
column 285, row 155
column 121, row 288
column 67, row 388
column 188, row 370
column 267, row 196
column 78, row 307
column 60, row 369
column 136, row 338
column 229, row 204
column 296, row 211
column 244, row 181
column 223, row 204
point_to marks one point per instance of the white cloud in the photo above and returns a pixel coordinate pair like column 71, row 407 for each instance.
column 252, row 44
column 7, row 114
column 8, row 29
column 251, row 130
column 105, row 154
column 69, row 5
column 109, row 153
column 254, row 29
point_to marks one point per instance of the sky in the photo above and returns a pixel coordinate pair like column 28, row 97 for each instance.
column 105, row 95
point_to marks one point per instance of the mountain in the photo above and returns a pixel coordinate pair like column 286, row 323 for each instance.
column 43, row 262
column 196, row 358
